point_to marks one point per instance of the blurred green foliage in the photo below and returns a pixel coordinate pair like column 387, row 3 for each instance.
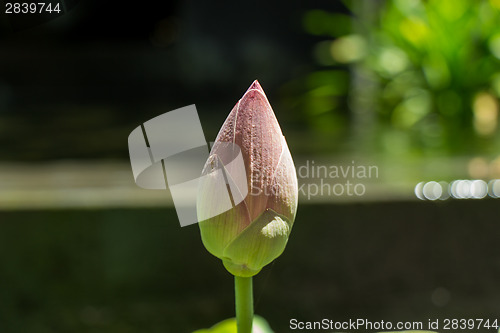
column 406, row 76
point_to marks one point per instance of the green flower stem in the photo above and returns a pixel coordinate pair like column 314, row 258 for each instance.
column 244, row 303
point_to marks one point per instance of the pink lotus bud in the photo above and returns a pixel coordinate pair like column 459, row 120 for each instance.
column 263, row 191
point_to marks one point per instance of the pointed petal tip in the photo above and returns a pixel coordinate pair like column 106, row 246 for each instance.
column 256, row 85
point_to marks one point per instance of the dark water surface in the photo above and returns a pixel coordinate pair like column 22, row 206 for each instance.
column 137, row 271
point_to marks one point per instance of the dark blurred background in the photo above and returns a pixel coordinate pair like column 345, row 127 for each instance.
column 410, row 87
column 101, row 69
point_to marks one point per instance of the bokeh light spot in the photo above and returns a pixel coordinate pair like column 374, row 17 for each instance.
column 348, row 48
column 432, row 190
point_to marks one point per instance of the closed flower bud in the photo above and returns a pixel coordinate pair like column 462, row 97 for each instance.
column 263, row 188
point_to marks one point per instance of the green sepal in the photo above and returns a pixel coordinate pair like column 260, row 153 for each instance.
column 219, row 231
column 259, row 244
